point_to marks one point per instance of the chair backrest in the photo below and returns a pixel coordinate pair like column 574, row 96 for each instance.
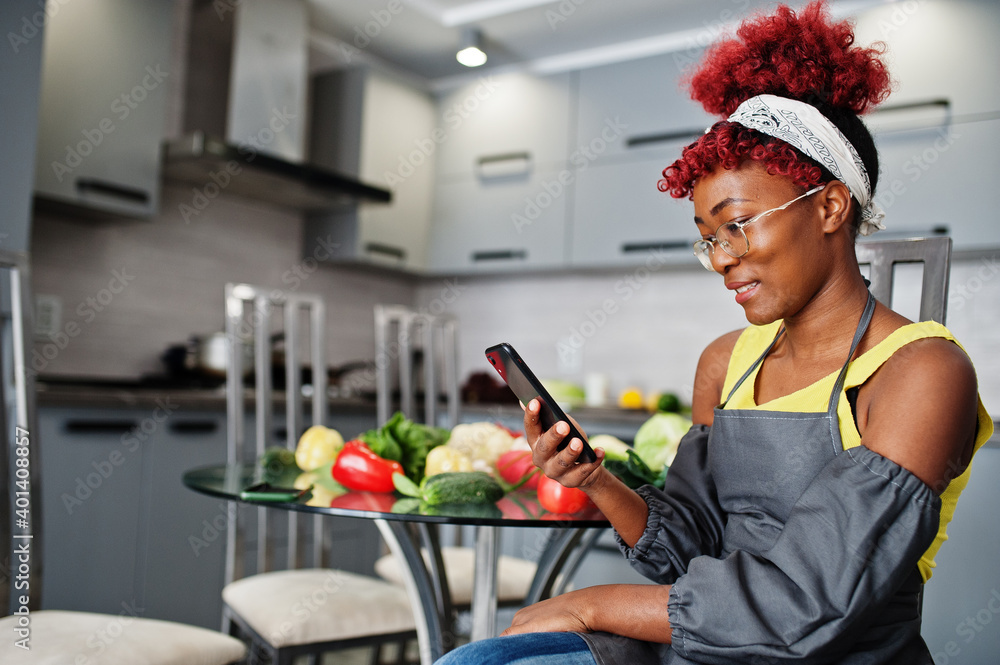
column 933, row 253
column 402, row 335
column 20, row 513
column 252, row 315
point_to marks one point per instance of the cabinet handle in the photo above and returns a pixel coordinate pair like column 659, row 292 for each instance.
column 100, row 426
column 664, row 137
column 387, row 250
column 504, row 166
column 500, row 255
column 194, row 426
column 96, row 186
column 633, row 247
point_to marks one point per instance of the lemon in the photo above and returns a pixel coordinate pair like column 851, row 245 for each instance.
column 630, row 398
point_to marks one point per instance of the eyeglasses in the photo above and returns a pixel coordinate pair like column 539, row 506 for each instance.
column 732, row 238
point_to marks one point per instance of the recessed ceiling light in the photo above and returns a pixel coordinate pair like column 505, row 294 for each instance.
column 471, row 53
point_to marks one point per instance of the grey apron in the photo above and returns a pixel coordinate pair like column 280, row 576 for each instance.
column 761, row 462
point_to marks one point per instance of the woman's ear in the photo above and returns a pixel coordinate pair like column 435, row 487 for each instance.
column 836, row 206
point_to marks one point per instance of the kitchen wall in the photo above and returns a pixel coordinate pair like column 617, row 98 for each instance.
column 646, row 327
column 130, row 288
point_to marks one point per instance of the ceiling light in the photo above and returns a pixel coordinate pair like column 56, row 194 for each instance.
column 470, row 51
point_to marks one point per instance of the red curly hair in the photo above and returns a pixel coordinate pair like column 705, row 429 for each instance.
column 805, row 57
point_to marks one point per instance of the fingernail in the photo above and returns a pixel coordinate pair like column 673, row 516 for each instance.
column 562, row 428
column 575, row 446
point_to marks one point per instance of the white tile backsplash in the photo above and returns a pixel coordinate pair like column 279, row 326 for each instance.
column 130, row 288
column 658, row 323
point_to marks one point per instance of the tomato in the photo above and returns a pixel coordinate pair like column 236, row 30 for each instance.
column 514, row 465
column 556, row 498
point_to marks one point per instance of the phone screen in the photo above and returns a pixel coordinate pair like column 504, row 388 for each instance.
column 526, row 387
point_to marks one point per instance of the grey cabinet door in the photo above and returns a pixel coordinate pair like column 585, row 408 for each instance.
column 105, row 75
column 91, row 470
column 182, row 550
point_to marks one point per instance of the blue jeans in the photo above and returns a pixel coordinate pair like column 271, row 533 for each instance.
column 524, row 649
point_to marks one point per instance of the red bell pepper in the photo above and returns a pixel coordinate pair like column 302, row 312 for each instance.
column 358, row 468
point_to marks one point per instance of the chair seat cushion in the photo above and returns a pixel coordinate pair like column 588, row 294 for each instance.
column 309, row 606
column 65, row 638
column 514, row 575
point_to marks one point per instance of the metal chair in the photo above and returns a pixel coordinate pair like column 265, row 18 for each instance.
column 405, row 338
column 56, row 636
column 292, row 610
column 933, row 253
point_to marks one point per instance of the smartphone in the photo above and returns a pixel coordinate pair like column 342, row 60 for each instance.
column 527, row 387
column 269, row 492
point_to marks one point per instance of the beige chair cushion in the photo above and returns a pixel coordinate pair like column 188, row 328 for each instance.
column 318, row 605
column 67, row 638
column 514, row 575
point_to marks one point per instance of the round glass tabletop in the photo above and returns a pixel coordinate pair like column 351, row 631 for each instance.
column 517, row 508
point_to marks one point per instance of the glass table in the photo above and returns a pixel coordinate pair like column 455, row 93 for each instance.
column 408, row 529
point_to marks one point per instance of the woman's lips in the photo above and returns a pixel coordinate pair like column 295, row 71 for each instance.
column 744, row 290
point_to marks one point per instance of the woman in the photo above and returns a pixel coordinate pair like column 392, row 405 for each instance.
column 832, row 437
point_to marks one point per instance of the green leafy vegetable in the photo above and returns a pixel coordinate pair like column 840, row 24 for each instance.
column 635, row 473
column 406, row 442
column 657, row 439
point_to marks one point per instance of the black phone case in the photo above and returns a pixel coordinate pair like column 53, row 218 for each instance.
column 526, row 387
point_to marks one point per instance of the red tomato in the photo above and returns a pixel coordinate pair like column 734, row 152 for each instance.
column 514, row 465
column 558, row 499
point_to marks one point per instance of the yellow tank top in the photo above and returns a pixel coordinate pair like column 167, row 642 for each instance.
column 815, row 398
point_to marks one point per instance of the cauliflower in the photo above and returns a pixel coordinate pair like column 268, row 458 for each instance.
column 483, row 442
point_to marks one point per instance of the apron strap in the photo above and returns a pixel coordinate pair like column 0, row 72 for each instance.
column 866, row 317
column 838, row 385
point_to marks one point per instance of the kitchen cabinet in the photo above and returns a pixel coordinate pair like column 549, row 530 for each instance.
column 499, row 225
column 633, row 119
column 105, row 74
column 962, row 598
column 941, row 180
column 504, row 124
column 621, row 218
column 645, row 104
column 121, row 531
column 503, row 184
column 382, row 131
column 937, row 50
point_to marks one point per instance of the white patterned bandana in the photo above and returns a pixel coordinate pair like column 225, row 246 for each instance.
column 803, row 127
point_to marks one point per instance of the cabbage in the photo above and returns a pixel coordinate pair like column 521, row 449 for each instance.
column 614, row 448
column 657, row 439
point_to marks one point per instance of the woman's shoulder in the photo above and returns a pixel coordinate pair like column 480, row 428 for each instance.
column 711, row 375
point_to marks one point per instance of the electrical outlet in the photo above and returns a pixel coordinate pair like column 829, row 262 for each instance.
column 48, row 316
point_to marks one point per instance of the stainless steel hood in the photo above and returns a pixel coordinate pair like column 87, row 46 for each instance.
column 245, row 110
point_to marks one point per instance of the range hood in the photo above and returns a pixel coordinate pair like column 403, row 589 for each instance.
column 246, row 114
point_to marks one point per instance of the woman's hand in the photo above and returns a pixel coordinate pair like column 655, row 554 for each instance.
column 631, row 610
column 554, row 615
column 565, row 465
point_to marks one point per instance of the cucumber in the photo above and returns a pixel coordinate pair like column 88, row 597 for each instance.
column 452, row 487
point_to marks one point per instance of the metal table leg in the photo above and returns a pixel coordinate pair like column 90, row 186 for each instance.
column 554, row 559
column 419, row 587
column 484, row 588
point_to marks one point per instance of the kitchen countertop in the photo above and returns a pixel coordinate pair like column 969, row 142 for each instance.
column 610, row 420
